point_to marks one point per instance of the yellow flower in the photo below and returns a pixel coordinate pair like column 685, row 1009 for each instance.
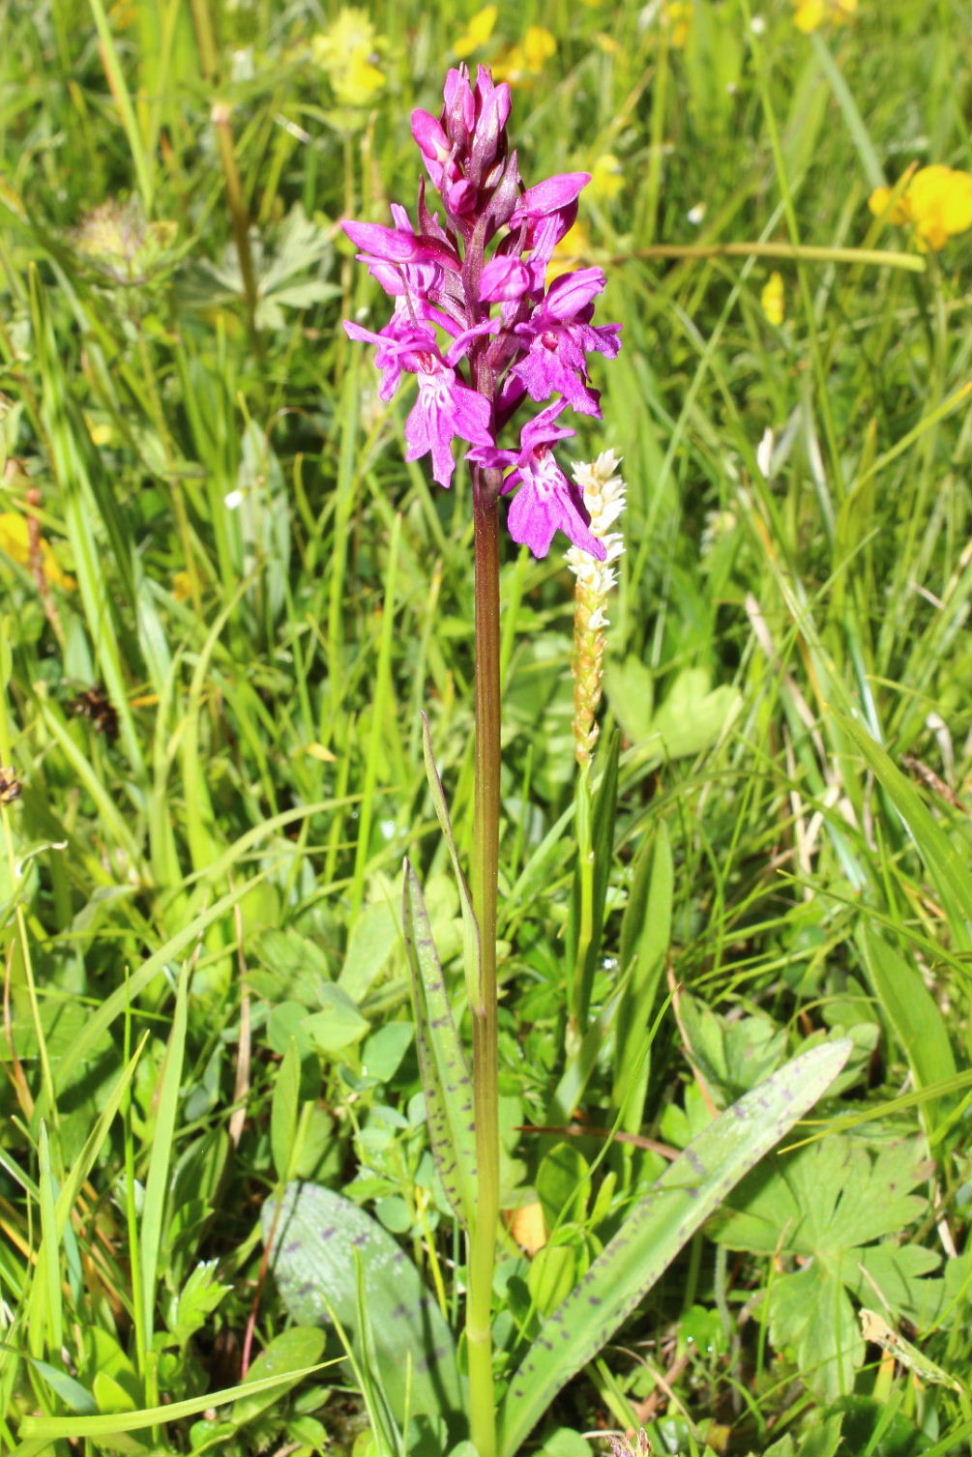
column 181, row 586
column 15, row 541
column 347, row 52
column 773, row 299
column 607, row 178
column 477, row 32
column 572, row 249
column 936, row 202
column 526, row 61
column 811, row 14
column 101, row 431
column 677, row 16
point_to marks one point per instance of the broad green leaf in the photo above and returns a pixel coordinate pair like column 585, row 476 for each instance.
column 827, row 1202
column 337, row 1024
column 283, row 1110
column 814, row 1319
column 317, row 1239
column 70, row 1391
column 189, row 1311
column 287, row 1356
column 830, row 1195
column 656, row 1229
column 373, row 938
column 445, row 1074
column 470, row 926
column 294, row 967
column 691, row 718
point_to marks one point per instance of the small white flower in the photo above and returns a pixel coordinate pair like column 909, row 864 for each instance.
column 758, row 25
column 232, row 499
column 696, row 214
column 764, row 453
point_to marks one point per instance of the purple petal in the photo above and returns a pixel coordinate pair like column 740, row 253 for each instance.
column 504, row 279
column 550, row 196
column 431, row 139
column 541, row 430
column 391, row 244
column 470, row 415
column 530, row 522
column 572, row 292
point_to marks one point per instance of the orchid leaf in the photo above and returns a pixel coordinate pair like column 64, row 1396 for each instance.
column 445, row 1073
column 470, row 926
column 317, row 1241
column 656, row 1229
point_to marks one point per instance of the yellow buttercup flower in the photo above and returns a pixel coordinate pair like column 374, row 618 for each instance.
column 936, row 202
column 477, row 32
column 347, row 52
column 573, row 248
column 607, row 177
column 811, row 14
column 677, row 15
column 773, row 299
column 15, row 541
column 526, row 61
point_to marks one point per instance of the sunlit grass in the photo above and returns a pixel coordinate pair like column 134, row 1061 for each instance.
column 226, row 602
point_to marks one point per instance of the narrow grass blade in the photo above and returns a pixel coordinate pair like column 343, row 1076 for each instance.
column 942, row 860
column 445, row 1073
column 645, row 933
column 157, row 1180
column 591, row 883
column 55, row 1209
column 844, row 96
column 663, row 1221
column 72, row 1428
column 46, row 1291
column 383, row 722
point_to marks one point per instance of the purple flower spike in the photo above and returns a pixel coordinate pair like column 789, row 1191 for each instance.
column 473, row 319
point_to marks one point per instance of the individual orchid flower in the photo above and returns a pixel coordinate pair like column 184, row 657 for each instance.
column 546, row 500
column 559, row 336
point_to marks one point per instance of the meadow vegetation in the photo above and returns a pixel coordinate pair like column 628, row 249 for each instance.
column 227, row 602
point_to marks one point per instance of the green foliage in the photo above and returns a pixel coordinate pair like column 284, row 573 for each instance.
column 320, row 1245
column 833, row 1207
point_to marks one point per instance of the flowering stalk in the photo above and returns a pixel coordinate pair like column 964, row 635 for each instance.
column 604, row 498
column 475, row 322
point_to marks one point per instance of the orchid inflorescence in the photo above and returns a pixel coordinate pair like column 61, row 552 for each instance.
column 444, row 282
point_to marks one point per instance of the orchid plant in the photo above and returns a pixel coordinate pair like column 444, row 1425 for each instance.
column 475, row 321
column 486, row 337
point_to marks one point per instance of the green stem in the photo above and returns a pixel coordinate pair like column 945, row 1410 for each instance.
column 485, row 866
